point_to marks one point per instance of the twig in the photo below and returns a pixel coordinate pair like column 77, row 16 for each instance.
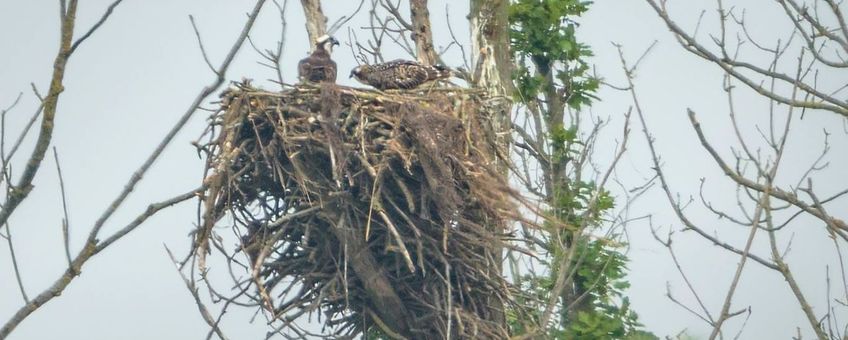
column 204, row 312
column 90, row 249
column 66, row 221
column 200, row 44
column 204, row 93
column 97, row 25
column 21, row 190
column 8, row 238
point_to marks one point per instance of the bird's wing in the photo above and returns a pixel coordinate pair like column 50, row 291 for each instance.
column 408, row 75
column 330, row 71
column 304, row 67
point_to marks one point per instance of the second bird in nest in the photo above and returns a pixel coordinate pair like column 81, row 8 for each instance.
column 318, row 67
column 399, row 74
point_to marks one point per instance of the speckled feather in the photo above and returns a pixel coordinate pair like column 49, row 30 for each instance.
column 399, row 74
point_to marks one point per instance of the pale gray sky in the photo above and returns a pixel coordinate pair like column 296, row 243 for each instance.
column 130, row 82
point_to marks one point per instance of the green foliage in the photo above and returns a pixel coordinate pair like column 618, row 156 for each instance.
column 602, row 275
column 543, row 37
column 552, row 75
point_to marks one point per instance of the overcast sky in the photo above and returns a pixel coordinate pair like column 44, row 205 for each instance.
column 128, row 84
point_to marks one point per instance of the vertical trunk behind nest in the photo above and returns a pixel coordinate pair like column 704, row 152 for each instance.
column 422, row 34
column 316, row 21
column 489, row 22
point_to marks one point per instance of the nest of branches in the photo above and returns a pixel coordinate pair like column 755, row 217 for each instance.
column 370, row 208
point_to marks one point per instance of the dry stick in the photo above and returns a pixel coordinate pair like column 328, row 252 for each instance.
column 49, row 105
column 393, row 230
column 3, row 170
column 690, row 44
column 449, row 298
column 754, row 225
column 689, row 224
column 8, row 238
column 725, row 310
column 762, row 205
column 790, row 279
column 374, row 281
column 208, row 90
column 811, row 43
column 384, row 327
column 778, row 259
column 89, row 250
column 24, row 133
column 92, row 247
column 344, row 19
column 775, row 192
column 97, row 25
column 204, row 312
column 200, row 43
column 465, row 62
column 4, row 176
column 150, row 211
column 19, row 192
column 66, row 221
column 277, row 56
column 837, row 11
column 709, row 318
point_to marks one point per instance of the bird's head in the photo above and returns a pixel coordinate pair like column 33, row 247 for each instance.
column 326, row 42
column 357, row 72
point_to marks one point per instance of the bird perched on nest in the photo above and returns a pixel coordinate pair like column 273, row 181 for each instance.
column 399, row 74
column 318, row 67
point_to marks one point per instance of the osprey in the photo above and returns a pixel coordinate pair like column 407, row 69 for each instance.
column 398, row 74
column 318, row 67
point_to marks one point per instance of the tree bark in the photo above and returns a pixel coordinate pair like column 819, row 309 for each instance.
column 490, row 43
column 422, row 34
column 316, row 21
column 493, row 67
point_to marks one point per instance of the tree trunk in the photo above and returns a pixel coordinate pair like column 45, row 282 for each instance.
column 316, row 21
column 422, row 34
column 492, row 60
column 490, row 43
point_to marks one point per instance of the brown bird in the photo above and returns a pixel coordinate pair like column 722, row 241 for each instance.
column 398, row 74
column 318, row 67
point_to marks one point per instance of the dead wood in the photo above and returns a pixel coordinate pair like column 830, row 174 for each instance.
column 372, row 208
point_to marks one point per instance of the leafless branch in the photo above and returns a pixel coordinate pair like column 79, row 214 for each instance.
column 92, row 245
column 821, row 100
column 192, row 288
column 96, row 26
column 66, row 221
column 200, row 44
column 14, row 259
column 21, row 190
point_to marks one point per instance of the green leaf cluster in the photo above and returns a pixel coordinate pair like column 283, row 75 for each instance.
column 551, row 67
column 543, row 39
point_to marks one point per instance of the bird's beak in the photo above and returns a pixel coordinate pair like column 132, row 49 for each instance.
column 351, row 74
column 335, row 42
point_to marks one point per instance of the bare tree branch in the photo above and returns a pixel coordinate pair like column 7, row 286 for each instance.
column 204, row 312
column 93, row 246
column 21, row 190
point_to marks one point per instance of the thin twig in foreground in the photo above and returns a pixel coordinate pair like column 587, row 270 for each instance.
column 204, row 312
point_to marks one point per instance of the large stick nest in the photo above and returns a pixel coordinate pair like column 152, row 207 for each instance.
column 374, row 208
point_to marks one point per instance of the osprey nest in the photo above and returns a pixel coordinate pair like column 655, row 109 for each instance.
column 374, row 210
